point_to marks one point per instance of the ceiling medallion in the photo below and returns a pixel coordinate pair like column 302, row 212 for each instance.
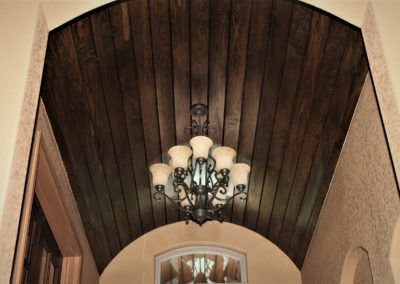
column 203, row 183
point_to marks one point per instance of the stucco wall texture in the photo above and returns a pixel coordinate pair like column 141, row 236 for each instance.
column 362, row 205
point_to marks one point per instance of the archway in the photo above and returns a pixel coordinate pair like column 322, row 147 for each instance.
column 356, row 267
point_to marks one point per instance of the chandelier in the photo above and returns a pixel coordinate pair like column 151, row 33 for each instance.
column 204, row 177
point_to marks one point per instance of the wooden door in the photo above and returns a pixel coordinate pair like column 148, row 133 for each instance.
column 43, row 259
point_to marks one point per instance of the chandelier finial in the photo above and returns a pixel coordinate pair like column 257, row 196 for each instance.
column 200, row 125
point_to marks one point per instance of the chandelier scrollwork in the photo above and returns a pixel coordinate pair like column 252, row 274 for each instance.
column 201, row 181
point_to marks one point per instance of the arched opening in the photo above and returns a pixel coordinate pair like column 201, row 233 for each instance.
column 265, row 262
column 356, row 267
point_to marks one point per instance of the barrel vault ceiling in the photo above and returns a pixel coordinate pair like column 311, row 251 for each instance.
column 281, row 80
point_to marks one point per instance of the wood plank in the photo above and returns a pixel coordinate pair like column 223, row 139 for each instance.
column 319, row 107
column 303, row 232
column 121, row 33
column 237, row 53
column 91, row 146
column 180, row 40
column 199, row 49
column 141, row 37
column 322, row 162
column 277, row 42
column 125, row 61
column 116, row 116
column 305, row 91
column 124, row 67
column 240, row 22
column 293, row 67
column 219, row 41
column 100, row 144
column 161, row 38
column 255, row 67
column 55, row 90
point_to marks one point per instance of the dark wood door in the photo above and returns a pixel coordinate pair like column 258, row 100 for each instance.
column 43, row 259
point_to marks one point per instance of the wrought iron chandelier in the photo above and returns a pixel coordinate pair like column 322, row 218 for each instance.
column 203, row 183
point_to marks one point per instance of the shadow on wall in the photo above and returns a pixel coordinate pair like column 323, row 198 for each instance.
column 395, row 252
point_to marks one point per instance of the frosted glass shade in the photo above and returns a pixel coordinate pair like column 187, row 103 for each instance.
column 239, row 174
column 179, row 156
column 160, row 173
column 224, row 158
column 201, row 146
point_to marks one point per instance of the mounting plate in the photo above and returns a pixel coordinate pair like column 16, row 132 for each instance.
column 198, row 110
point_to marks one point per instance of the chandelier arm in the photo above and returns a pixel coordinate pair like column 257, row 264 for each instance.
column 211, row 171
column 174, row 203
column 212, row 181
column 214, row 192
column 227, row 200
column 219, row 216
column 186, row 190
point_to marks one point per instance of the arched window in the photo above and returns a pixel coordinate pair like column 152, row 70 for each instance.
column 201, row 264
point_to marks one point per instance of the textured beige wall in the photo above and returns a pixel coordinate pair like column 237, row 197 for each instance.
column 21, row 70
column 13, row 76
column 362, row 205
column 266, row 263
column 23, row 33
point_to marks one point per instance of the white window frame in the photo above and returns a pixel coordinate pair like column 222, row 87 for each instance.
column 241, row 257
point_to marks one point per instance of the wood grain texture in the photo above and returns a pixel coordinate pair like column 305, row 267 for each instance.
column 142, row 44
column 277, row 44
column 126, row 70
column 255, row 66
column 162, row 53
column 179, row 17
column 199, row 50
column 219, row 40
column 328, row 70
column 281, row 81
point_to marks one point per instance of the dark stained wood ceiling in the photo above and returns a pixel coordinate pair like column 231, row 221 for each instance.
column 281, row 80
